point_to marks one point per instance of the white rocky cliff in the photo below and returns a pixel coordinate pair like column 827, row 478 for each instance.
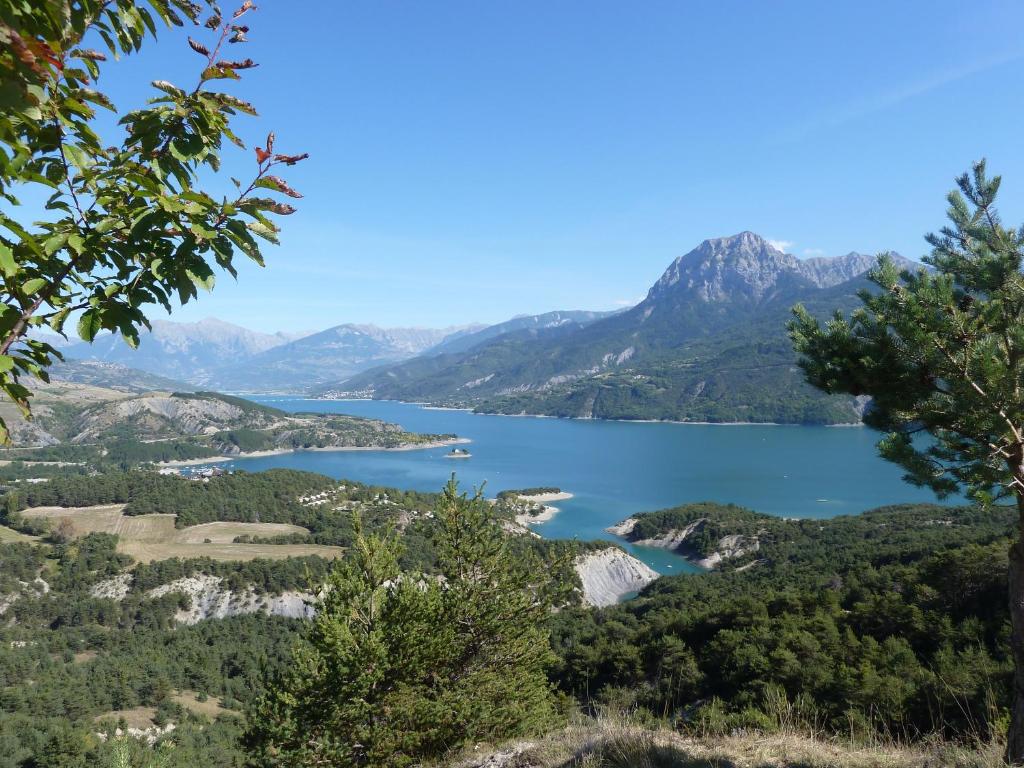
column 610, row 574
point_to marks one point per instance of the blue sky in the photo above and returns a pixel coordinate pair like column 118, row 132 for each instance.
column 472, row 161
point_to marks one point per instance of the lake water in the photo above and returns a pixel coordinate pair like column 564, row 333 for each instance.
column 615, row 469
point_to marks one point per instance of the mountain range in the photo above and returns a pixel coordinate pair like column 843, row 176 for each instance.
column 215, row 354
column 707, row 343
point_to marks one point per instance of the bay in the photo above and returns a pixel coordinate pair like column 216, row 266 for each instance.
column 615, row 469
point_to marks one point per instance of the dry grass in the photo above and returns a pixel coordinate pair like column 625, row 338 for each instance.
column 9, row 536
column 84, row 520
column 153, row 537
column 211, row 708
column 606, row 744
column 138, row 717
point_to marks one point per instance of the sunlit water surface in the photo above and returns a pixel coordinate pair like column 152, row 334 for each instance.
column 614, row 469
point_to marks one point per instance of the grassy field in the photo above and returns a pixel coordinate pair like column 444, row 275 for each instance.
column 142, row 717
column 137, row 717
column 154, row 537
column 8, row 536
column 211, row 708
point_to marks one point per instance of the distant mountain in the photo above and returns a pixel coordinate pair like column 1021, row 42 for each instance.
column 186, row 351
column 218, row 355
column 336, row 353
column 826, row 272
column 468, row 340
column 707, row 343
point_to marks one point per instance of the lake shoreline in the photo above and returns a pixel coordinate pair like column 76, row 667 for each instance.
column 430, row 407
column 329, row 448
column 616, row 471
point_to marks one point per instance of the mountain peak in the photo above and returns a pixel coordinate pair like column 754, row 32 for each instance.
column 743, row 266
column 742, row 240
column 747, row 267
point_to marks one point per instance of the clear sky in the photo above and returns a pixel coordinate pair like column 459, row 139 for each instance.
column 471, row 161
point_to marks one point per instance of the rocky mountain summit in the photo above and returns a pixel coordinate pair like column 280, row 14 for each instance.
column 748, row 268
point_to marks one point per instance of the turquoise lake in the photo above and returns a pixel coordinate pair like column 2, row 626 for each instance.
column 615, row 469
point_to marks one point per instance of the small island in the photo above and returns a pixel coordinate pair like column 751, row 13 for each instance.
column 527, row 505
column 458, row 453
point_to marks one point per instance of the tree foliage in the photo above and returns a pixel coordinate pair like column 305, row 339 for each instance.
column 940, row 351
column 129, row 223
column 400, row 667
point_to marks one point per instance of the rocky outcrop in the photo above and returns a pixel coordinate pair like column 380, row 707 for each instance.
column 156, row 413
column 677, row 540
column 674, row 539
column 624, row 528
column 749, row 268
column 29, row 589
column 610, row 574
column 114, row 588
column 208, row 600
column 730, row 547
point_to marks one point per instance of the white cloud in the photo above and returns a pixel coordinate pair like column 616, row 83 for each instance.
column 813, row 252
column 781, row 245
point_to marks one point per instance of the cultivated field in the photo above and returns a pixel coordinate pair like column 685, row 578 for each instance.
column 154, row 537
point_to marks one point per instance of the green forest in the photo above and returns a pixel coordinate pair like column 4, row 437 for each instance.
column 893, row 621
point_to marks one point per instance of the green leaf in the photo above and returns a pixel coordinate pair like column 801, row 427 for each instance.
column 263, row 231
column 53, row 244
column 34, row 285
column 8, row 266
column 220, row 73
column 58, row 320
column 89, row 324
column 203, row 281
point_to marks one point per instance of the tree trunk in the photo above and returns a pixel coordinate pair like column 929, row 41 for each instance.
column 1015, row 737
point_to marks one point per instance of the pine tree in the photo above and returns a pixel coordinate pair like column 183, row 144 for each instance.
column 940, row 352
column 398, row 668
column 496, row 605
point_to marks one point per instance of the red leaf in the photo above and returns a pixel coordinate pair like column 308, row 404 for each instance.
column 261, row 155
column 246, row 64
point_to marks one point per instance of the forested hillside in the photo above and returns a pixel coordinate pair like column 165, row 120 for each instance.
column 893, row 621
